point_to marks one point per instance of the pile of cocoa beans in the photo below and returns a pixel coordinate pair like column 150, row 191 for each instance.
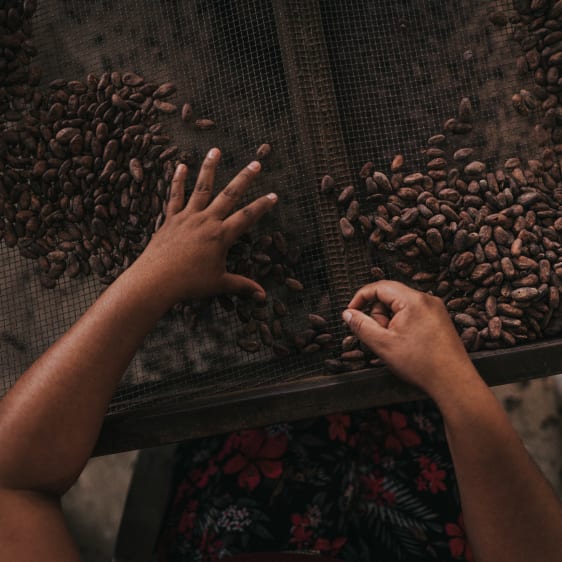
column 486, row 241
column 86, row 167
column 270, row 259
column 86, row 174
column 85, row 164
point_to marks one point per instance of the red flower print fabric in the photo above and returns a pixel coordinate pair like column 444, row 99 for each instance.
column 369, row 486
column 458, row 544
column 339, row 423
column 398, row 434
column 256, row 454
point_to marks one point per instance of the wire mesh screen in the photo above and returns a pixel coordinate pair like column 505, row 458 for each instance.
column 345, row 96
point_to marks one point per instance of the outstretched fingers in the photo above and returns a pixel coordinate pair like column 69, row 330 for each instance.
column 177, row 191
column 243, row 219
column 228, row 198
column 203, row 190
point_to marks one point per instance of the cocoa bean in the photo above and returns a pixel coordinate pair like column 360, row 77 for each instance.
column 318, row 322
column 186, row 112
column 327, row 185
column 475, row 168
column 468, row 336
column 263, row 151
column 382, row 182
column 481, row 271
column 397, row 163
column 530, row 280
column 436, row 140
column 132, row 79
column 353, row 355
column 365, row 170
column 434, row 240
column 65, row 135
column 491, row 306
column 437, row 164
column 346, row 195
column 136, row 170
column 353, row 211
column 349, row 343
column 406, row 240
column 508, row 268
column 164, row 90
column 524, row 294
column 324, row 340
column 294, row 285
column 346, row 228
column 463, row 260
column 383, row 224
column 404, row 268
column 544, row 270
column 203, row 124
column 412, row 179
column 279, row 308
column 464, row 320
column 494, row 328
column 169, row 108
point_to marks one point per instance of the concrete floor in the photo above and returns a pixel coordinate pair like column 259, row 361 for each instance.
column 95, row 504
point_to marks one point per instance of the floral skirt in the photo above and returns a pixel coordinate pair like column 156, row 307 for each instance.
column 374, row 486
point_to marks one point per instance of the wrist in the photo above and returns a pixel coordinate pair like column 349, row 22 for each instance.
column 469, row 397
column 146, row 287
column 456, row 384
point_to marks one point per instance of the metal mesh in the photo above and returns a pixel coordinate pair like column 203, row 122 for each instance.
column 400, row 69
column 330, row 85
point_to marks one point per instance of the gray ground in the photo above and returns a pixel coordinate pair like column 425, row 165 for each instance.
column 95, row 504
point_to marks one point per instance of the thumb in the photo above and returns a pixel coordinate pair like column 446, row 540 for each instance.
column 369, row 331
column 240, row 285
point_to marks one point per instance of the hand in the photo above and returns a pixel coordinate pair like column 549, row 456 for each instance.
column 188, row 254
column 412, row 332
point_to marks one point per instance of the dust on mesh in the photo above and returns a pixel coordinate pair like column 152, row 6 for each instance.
column 398, row 71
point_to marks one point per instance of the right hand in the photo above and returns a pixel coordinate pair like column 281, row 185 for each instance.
column 412, row 332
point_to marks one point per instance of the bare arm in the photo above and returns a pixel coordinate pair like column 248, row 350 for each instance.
column 50, row 420
column 510, row 511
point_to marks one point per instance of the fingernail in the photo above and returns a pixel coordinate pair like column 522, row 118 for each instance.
column 272, row 196
column 255, row 166
column 257, row 296
column 213, row 153
column 347, row 316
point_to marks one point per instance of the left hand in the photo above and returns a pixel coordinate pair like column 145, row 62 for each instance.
column 188, row 254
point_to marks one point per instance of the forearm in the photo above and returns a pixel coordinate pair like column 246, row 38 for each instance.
column 510, row 511
column 50, row 420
